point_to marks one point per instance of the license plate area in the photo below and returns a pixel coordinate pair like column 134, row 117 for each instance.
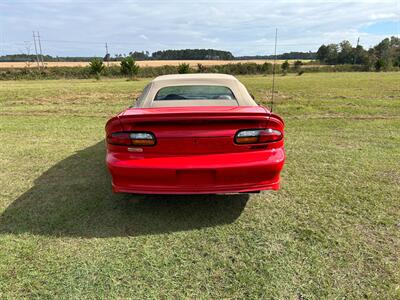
column 196, row 177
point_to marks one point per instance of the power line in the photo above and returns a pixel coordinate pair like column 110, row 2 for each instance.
column 176, row 42
column 73, row 42
column 28, row 45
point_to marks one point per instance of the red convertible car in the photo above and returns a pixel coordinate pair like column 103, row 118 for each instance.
column 195, row 134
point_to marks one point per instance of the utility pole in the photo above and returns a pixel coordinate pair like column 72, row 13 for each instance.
column 40, row 49
column 107, row 55
column 37, row 55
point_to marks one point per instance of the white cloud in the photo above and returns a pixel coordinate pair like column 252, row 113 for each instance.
column 243, row 27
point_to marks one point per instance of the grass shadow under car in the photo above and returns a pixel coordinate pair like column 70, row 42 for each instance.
column 74, row 198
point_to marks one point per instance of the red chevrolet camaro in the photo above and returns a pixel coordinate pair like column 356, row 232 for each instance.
column 195, row 134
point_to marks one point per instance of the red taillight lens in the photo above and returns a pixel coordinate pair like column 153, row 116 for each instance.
column 131, row 139
column 256, row 136
column 119, row 138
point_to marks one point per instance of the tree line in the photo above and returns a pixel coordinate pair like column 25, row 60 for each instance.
column 46, row 58
column 185, row 54
column 287, row 55
column 193, row 54
column 383, row 56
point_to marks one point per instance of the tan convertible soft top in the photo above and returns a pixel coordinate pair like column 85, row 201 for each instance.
column 242, row 96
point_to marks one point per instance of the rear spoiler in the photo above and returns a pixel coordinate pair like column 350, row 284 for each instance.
column 257, row 113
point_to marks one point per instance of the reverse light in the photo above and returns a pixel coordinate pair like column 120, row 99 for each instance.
column 131, row 138
column 256, row 136
column 143, row 139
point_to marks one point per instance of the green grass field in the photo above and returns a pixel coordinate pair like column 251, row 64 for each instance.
column 332, row 231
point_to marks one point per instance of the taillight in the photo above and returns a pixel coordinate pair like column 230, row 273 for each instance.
column 119, row 138
column 256, row 136
column 131, row 139
column 143, row 139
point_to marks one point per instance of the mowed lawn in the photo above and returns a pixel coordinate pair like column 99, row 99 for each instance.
column 332, row 231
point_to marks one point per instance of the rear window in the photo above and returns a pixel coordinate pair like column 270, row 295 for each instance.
column 195, row 92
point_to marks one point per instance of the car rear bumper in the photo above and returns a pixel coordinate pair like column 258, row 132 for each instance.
column 197, row 174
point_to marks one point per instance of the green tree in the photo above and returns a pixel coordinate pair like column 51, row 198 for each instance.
column 192, row 54
column 328, row 54
column 96, row 66
column 346, row 53
column 322, row 53
column 129, row 67
column 381, row 65
column 388, row 50
column 266, row 68
column 297, row 65
column 361, row 56
column 139, row 55
column 183, row 68
column 285, row 67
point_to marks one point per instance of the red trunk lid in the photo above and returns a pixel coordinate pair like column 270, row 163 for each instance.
column 195, row 130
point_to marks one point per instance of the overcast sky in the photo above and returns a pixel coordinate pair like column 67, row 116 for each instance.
column 246, row 27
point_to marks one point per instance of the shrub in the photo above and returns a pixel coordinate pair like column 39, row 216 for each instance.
column 183, row 68
column 380, row 65
column 129, row 67
column 201, row 68
column 285, row 67
column 96, row 66
column 157, row 71
column 266, row 68
column 115, row 71
column 297, row 65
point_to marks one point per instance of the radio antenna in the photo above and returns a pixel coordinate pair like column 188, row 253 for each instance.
column 273, row 72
